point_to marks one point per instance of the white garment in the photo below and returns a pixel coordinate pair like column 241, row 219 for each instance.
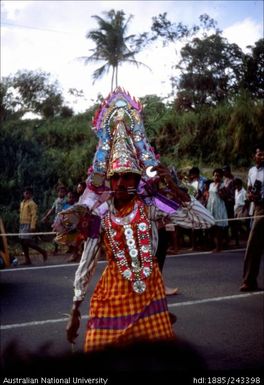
column 216, row 205
column 254, row 174
column 240, row 197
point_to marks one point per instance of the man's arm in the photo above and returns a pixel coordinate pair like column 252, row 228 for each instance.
column 34, row 216
column 165, row 175
column 50, row 211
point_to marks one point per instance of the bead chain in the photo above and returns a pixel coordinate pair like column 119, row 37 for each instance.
column 134, row 273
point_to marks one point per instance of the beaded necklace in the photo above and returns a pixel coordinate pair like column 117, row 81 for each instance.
column 132, row 251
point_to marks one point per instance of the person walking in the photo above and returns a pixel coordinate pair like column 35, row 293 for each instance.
column 27, row 224
column 255, row 244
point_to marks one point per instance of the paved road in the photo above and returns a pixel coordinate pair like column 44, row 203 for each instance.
column 224, row 325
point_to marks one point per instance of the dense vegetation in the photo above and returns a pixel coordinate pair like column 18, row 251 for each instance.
column 43, row 153
column 215, row 118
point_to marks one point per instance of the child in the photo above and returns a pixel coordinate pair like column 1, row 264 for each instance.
column 57, row 207
column 71, row 199
column 205, row 194
column 57, row 204
column 240, row 207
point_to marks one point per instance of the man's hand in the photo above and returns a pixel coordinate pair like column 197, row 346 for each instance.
column 165, row 175
column 73, row 326
column 253, row 197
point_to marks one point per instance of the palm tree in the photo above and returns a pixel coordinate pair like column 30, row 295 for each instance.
column 112, row 45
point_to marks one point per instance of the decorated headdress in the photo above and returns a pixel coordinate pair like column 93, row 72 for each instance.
column 123, row 146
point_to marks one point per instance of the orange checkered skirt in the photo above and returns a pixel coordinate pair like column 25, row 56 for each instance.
column 118, row 315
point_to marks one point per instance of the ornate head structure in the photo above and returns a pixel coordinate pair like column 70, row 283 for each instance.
column 123, row 146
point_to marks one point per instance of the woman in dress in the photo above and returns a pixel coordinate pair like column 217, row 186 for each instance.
column 216, row 206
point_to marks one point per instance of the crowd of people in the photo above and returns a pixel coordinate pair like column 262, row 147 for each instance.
column 225, row 197
column 28, row 217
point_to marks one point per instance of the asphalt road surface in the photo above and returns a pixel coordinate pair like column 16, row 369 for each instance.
column 223, row 325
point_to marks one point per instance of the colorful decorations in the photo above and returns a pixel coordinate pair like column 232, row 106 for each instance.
column 123, row 145
column 75, row 225
column 132, row 250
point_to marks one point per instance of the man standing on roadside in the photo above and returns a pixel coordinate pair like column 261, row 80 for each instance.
column 28, row 221
column 255, row 245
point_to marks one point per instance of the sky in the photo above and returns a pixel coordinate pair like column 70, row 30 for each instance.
column 51, row 36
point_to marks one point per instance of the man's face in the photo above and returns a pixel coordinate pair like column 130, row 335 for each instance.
column 124, row 185
column 61, row 193
column 217, row 177
column 80, row 189
column 193, row 177
column 27, row 195
column 259, row 157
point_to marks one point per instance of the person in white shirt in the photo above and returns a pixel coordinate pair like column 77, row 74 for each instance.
column 240, row 198
column 240, row 210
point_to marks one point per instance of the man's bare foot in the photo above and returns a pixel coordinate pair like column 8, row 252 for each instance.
column 171, row 290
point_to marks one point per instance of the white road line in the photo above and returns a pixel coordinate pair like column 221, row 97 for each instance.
column 215, row 299
column 203, row 253
column 14, row 269
column 76, row 264
column 178, row 304
column 33, row 323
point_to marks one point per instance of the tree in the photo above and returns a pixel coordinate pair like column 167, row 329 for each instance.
column 154, row 112
column 212, row 70
column 253, row 80
column 31, row 91
column 173, row 32
column 113, row 47
column 170, row 32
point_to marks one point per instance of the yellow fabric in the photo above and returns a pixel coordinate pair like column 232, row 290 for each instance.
column 28, row 213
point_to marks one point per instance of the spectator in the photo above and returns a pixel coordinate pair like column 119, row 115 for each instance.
column 205, row 194
column 216, row 206
column 56, row 208
column 240, row 208
column 71, row 199
column 81, row 186
column 197, row 181
column 58, row 204
column 198, row 184
column 228, row 181
column 255, row 245
column 28, row 222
